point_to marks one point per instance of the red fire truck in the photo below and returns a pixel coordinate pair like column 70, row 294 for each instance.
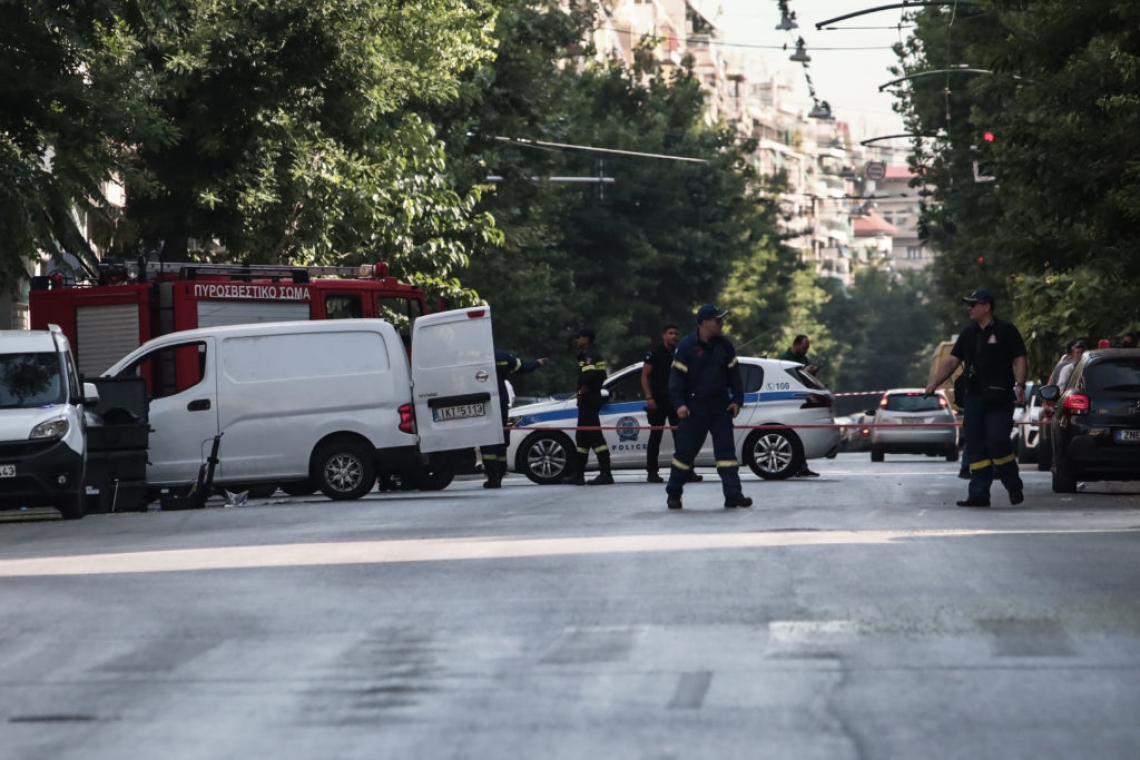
column 104, row 322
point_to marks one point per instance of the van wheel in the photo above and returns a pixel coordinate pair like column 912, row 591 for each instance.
column 303, row 488
column 344, row 470
column 71, row 507
column 773, row 454
column 546, row 458
column 436, row 475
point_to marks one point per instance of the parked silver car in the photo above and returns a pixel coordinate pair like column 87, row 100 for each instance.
column 925, row 425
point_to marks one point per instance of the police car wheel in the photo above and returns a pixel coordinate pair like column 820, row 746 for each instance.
column 773, row 454
column 344, row 470
column 546, row 458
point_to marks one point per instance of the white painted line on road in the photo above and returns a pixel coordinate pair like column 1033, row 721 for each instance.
column 455, row 549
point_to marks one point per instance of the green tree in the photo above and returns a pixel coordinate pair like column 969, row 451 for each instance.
column 72, row 105
column 299, row 138
column 1056, row 230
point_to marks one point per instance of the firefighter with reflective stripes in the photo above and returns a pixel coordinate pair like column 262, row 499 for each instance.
column 994, row 354
column 591, row 376
column 707, row 391
column 495, row 457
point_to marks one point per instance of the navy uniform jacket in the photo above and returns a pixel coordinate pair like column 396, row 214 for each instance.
column 988, row 354
column 507, row 364
column 705, row 373
column 591, row 375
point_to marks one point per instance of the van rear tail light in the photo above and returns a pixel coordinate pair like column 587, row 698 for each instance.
column 407, row 419
column 816, row 401
column 1077, row 404
column 476, row 313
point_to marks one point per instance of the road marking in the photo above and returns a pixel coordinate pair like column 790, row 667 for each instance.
column 456, row 549
column 691, row 690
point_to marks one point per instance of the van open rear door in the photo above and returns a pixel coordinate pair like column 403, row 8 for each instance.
column 453, row 374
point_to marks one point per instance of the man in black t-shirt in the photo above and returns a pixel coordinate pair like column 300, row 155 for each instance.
column 655, row 386
column 994, row 354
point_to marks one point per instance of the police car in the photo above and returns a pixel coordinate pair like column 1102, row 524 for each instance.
column 775, row 393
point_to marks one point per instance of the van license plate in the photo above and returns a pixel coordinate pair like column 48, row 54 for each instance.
column 461, row 412
column 7, row 470
column 1128, row 436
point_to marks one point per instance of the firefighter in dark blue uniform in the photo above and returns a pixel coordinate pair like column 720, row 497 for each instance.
column 591, row 376
column 706, row 390
column 994, row 354
column 495, row 457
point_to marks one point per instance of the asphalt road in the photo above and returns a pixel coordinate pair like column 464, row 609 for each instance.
column 857, row 615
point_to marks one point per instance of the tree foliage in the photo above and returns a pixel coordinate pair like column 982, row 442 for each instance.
column 285, row 131
column 72, row 105
column 627, row 256
column 1055, row 232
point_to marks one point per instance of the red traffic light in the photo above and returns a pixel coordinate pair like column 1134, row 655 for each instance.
column 988, row 136
column 981, row 259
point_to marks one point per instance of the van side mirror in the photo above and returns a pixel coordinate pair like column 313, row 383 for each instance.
column 871, row 412
column 1050, row 393
column 90, row 394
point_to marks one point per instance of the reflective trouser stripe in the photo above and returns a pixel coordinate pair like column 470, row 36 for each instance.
column 732, row 363
column 981, row 465
column 727, row 463
column 491, row 457
column 583, row 450
column 601, row 449
column 1004, row 460
column 680, row 465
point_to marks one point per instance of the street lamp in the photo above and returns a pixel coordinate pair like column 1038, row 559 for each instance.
column 822, row 111
column 787, row 18
column 800, row 56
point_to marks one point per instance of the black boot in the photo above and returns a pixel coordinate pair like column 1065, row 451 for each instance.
column 495, row 471
column 605, row 478
column 578, row 477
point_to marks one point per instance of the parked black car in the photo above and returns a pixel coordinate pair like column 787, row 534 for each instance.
column 1095, row 430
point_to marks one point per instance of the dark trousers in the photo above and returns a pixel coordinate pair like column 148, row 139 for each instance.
column 591, row 440
column 495, row 457
column 989, row 448
column 691, row 433
column 656, row 418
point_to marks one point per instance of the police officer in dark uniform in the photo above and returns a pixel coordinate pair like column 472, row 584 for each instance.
column 706, row 389
column 994, row 354
column 591, row 376
column 495, row 457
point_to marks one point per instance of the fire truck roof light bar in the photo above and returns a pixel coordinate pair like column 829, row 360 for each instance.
column 191, row 269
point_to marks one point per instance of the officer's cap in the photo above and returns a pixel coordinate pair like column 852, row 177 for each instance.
column 708, row 311
column 981, row 295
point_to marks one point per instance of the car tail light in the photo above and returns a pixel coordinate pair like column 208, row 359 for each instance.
column 1077, row 404
column 407, row 419
column 1047, row 409
column 883, row 402
column 816, row 401
column 942, row 402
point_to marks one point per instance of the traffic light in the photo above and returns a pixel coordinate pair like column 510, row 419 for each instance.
column 983, row 157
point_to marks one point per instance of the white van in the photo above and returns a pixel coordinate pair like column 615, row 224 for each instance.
column 324, row 404
column 43, row 441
